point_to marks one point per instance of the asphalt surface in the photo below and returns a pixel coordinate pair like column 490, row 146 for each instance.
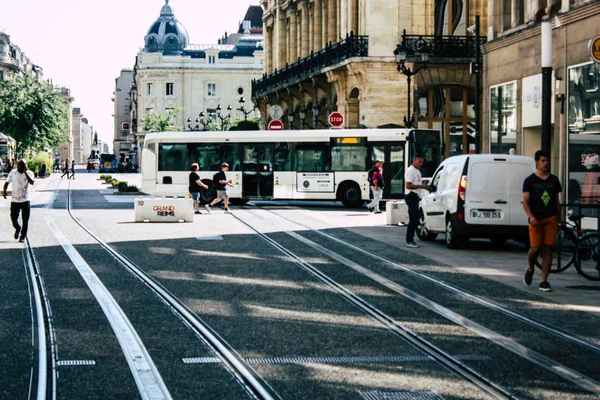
column 300, row 336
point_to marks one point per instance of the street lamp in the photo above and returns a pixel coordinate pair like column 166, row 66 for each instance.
column 219, row 110
column 195, row 127
column 290, row 118
column 401, row 54
column 303, row 123
column 242, row 109
column 316, row 113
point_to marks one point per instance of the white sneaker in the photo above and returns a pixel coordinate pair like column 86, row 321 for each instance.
column 207, row 208
column 412, row 244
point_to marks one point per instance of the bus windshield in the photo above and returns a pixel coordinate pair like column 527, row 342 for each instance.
column 107, row 157
column 429, row 144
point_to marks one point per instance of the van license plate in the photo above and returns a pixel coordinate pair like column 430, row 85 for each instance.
column 486, row 214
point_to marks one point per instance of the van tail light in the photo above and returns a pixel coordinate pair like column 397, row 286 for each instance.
column 462, row 187
column 461, row 216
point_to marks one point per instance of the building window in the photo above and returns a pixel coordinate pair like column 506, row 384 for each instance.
column 212, row 89
column 211, row 59
column 149, row 111
column 149, row 89
column 1, row 76
column 503, row 118
column 169, row 89
column 583, row 159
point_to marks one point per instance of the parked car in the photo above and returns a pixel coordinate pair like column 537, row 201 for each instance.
column 477, row 195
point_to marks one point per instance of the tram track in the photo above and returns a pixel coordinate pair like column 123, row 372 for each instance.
column 566, row 373
column 251, row 382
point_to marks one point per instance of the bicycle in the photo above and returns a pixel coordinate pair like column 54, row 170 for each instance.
column 563, row 251
column 587, row 256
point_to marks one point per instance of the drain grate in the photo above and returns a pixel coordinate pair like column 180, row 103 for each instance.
column 400, row 395
column 71, row 363
column 584, row 287
column 333, row 360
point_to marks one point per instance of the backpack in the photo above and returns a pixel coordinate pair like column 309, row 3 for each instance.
column 217, row 179
column 370, row 174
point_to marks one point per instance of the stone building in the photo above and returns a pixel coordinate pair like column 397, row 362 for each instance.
column 197, row 79
column 123, row 140
column 338, row 55
column 512, row 88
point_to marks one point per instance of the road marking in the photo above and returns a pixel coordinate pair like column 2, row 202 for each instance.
column 145, row 373
column 71, row 363
column 331, row 360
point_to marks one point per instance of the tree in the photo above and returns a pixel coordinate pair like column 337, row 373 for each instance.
column 33, row 113
column 161, row 123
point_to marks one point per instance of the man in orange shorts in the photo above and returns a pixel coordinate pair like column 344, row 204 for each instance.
column 542, row 205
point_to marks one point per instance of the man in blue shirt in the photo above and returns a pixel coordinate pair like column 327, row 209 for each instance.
column 221, row 184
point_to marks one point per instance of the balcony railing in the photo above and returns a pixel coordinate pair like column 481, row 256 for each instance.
column 447, row 49
column 305, row 68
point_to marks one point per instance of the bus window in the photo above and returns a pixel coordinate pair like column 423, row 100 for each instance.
column 312, row 157
column 208, row 156
column 231, row 156
column 172, row 157
column 283, row 160
column 348, row 158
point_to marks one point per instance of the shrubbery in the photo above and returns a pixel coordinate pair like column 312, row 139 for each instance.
column 124, row 187
column 35, row 164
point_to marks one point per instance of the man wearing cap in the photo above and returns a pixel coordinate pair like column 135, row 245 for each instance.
column 221, row 184
column 375, row 179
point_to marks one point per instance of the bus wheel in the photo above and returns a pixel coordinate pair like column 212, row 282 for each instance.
column 208, row 195
column 350, row 195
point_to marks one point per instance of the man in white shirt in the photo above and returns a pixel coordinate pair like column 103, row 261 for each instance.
column 20, row 178
column 412, row 179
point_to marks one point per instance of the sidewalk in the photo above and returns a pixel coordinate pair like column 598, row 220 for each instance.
column 505, row 264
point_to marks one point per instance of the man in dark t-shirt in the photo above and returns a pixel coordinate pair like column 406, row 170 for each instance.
column 221, row 186
column 195, row 186
column 542, row 205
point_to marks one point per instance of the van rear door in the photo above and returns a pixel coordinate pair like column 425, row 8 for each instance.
column 487, row 200
column 520, row 168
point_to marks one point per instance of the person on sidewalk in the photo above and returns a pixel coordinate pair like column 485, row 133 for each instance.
column 72, row 170
column 542, row 205
column 65, row 169
column 195, row 187
column 375, row 179
column 20, row 178
column 221, row 183
column 412, row 179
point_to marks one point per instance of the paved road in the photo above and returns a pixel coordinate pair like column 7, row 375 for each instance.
column 303, row 339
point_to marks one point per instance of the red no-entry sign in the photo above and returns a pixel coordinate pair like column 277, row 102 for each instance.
column 275, row 125
column 336, row 119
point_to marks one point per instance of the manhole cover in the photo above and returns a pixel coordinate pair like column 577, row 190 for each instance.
column 584, row 287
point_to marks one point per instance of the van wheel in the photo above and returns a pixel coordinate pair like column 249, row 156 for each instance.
column 350, row 195
column 453, row 240
column 422, row 231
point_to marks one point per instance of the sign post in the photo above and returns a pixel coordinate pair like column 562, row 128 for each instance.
column 275, row 125
column 336, row 119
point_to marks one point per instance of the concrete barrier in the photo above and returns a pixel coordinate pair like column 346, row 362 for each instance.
column 164, row 209
column 396, row 211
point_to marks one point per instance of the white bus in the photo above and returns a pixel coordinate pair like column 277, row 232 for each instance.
column 287, row 165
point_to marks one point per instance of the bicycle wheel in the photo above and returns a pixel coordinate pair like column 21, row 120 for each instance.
column 587, row 256
column 562, row 251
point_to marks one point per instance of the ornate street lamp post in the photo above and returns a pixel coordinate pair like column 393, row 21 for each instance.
column 316, row 113
column 401, row 54
column 223, row 119
column 290, row 118
column 242, row 109
column 303, row 123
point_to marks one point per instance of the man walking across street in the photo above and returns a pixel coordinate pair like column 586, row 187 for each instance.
column 20, row 178
column 221, row 184
column 542, row 205
column 195, row 187
column 72, row 169
column 412, row 179
column 65, row 169
column 376, row 183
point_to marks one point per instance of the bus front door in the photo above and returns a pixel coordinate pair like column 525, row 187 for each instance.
column 257, row 171
column 392, row 155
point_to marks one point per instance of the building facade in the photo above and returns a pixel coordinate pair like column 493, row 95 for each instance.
column 123, row 139
column 339, row 55
column 198, row 80
column 512, row 89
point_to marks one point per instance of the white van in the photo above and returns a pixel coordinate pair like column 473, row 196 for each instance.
column 476, row 195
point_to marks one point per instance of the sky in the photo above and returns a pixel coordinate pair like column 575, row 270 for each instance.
column 84, row 44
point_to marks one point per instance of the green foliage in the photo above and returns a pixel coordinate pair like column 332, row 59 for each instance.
column 34, row 114
column 35, row 163
column 161, row 123
column 246, row 125
column 103, row 176
column 114, row 183
column 122, row 185
column 127, row 188
column 108, row 178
